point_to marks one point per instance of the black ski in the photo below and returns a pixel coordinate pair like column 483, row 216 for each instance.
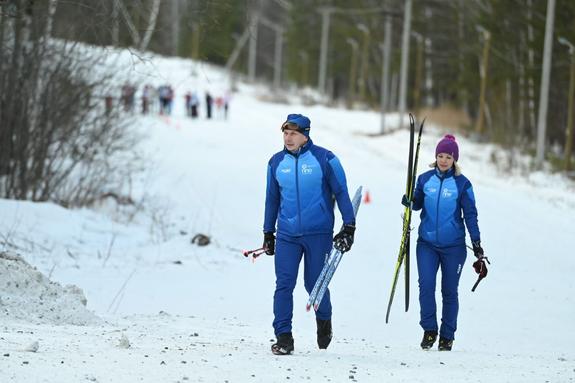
column 408, row 188
column 403, row 256
column 412, row 189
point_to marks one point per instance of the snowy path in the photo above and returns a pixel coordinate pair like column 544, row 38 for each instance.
column 165, row 348
column 209, row 176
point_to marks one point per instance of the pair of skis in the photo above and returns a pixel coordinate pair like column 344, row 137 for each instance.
column 403, row 256
column 332, row 261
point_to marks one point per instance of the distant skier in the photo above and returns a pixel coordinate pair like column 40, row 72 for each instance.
column 301, row 180
column 227, row 99
column 109, row 103
column 128, row 92
column 188, row 103
column 164, row 96
column 146, row 99
column 209, row 102
column 446, row 199
column 219, row 102
column 195, row 102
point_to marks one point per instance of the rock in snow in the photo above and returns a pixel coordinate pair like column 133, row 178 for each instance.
column 32, row 347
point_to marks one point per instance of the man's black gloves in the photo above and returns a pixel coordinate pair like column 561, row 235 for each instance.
column 477, row 249
column 269, row 243
column 344, row 239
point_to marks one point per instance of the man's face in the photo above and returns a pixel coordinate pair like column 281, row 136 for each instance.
column 293, row 139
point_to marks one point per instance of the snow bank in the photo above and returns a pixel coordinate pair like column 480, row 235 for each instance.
column 26, row 294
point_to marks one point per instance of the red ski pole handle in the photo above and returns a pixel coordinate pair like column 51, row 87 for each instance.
column 258, row 253
column 254, row 253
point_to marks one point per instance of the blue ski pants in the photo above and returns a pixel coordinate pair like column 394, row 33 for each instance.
column 289, row 251
column 451, row 261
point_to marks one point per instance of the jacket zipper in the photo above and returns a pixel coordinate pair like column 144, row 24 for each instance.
column 297, row 193
column 437, row 211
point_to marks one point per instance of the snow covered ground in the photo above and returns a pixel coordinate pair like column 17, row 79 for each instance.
column 175, row 312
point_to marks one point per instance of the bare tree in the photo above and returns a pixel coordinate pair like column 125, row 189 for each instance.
column 141, row 42
column 57, row 140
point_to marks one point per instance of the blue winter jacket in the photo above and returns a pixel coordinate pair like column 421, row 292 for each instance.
column 300, row 190
column 443, row 198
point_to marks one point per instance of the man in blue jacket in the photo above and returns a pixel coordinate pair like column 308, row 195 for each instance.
column 302, row 181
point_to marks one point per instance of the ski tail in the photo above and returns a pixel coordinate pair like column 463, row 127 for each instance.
column 331, row 264
column 408, row 193
column 410, row 196
column 314, row 292
column 403, row 257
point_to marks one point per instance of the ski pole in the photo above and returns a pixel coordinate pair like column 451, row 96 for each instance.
column 254, row 253
column 476, row 283
column 481, row 269
column 482, row 257
column 258, row 253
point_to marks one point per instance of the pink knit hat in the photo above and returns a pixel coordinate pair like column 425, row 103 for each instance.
column 449, row 146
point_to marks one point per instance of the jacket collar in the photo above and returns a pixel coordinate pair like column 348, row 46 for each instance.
column 304, row 148
column 446, row 174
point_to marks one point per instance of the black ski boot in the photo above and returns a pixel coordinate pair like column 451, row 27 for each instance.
column 429, row 338
column 324, row 333
column 283, row 345
column 445, row 344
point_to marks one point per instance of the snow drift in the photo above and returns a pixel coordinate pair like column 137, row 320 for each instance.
column 27, row 294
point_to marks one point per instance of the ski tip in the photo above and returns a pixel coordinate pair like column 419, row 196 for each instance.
column 307, row 307
column 315, row 307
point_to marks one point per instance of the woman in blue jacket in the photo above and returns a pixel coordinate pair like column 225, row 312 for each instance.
column 446, row 200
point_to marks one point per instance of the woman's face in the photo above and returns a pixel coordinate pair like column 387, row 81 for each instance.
column 444, row 161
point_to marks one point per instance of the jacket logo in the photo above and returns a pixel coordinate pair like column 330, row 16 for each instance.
column 286, row 170
column 305, row 169
column 447, row 193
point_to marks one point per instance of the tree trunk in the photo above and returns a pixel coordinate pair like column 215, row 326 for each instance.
column 531, row 69
column 41, row 49
column 151, row 25
column 521, row 105
column 128, row 19
column 463, row 96
column 115, row 24
column 175, row 21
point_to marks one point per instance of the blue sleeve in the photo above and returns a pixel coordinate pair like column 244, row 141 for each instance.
column 470, row 212
column 417, row 199
column 272, row 201
column 338, row 185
